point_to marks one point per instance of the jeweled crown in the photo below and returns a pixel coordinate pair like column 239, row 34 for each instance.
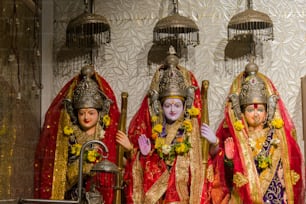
column 253, row 89
column 172, row 82
column 87, row 93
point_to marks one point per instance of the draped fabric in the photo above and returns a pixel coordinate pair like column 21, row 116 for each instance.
column 244, row 182
column 149, row 179
column 52, row 150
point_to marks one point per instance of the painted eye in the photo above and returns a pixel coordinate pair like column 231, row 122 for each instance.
column 177, row 105
column 261, row 110
column 166, row 105
column 249, row 110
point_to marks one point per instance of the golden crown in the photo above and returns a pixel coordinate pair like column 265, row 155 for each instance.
column 172, row 82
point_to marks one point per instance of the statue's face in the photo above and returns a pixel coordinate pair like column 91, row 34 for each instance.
column 88, row 118
column 173, row 108
column 255, row 115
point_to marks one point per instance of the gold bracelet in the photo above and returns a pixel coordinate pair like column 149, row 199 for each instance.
column 216, row 143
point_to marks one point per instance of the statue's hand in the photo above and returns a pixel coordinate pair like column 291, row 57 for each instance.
column 207, row 133
column 229, row 148
column 144, row 144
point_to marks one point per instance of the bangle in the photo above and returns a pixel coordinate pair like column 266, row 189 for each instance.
column 216, row 143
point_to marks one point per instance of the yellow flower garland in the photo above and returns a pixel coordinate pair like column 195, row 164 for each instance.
column 238, row 125
column 168, row 152
column 106, row 120
column 193, row 111
column 277, row 123
column 68, row 130
column 89, row 155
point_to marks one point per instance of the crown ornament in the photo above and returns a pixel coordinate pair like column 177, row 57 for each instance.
column 87, row 95
column 253, row 89
column 170, row 82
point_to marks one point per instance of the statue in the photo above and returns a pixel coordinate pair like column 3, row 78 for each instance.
column 259, row 159
column 164, row 140
column 85, row 109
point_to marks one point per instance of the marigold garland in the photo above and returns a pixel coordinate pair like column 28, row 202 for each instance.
column 193, row 111
column 154, row 119
column 68, row 130
column 277, row 123
column 90, row 156
column 238, row 125
column 187, row 125
column 158, row 128
column 75, row 149
column 106, row 120
column 180, row 146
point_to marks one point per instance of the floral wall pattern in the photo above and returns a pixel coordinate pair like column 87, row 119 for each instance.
column 124, row 61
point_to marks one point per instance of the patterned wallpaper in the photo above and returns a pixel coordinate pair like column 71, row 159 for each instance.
column 124, row 61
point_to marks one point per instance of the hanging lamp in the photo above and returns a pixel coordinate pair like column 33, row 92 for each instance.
column 176, row 28
column 88, row 29
column 251, row 22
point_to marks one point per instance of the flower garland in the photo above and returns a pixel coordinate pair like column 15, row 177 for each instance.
column 277, row 123
column 264, row 158
column 238, row 125
column 90, row 156
column 180, row 145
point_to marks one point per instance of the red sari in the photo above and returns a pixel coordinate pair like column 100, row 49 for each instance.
column 52, row 150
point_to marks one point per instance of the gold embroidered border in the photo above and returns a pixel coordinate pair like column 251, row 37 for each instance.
column 196, row 164
column 137, row 181
column 181, row 177
column 157, row 189
column 295, row 177
column 286, row 165
column 247, row 161
column 60, row 160
column 61, row 153
column 210, row 173
column 239, row 179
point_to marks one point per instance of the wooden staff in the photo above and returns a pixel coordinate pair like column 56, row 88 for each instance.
column 205, row 119
column 119, row 148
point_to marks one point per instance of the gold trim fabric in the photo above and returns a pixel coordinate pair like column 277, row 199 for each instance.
column 60, row 161
column 191, row 161
column 61, row 153
column 259, row 184
column 239, row 179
